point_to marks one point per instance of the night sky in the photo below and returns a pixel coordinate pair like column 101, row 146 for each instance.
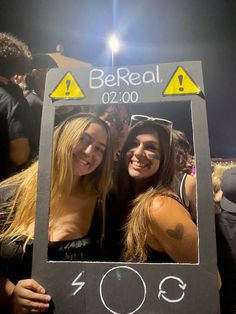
column 153, row 31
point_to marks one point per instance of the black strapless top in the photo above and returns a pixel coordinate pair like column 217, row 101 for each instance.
column 16, row 264
column 158, row 257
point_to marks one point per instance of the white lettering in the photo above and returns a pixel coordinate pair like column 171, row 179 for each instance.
column 158, row 74
column 145, row 77
column 98, row 78
column 109, row 79
column 134, row 78
column 123, row 76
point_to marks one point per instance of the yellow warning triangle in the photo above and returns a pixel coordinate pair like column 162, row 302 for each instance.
column 67, row 88
column 181, row 84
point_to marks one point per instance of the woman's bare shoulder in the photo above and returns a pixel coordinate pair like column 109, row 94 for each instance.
column 167, row 207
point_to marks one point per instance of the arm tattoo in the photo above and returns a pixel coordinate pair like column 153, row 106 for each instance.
column 177, row 233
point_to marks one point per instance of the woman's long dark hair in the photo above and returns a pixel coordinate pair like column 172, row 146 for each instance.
column 137, row 221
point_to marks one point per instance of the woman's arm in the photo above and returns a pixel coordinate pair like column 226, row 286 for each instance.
column 27, row 296
column 173, row 231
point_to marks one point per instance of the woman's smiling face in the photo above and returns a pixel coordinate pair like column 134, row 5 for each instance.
column 143, row 155
column 89, row 152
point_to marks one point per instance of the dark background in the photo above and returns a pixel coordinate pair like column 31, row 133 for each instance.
column 153, row 31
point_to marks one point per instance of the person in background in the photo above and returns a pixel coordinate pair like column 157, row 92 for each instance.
column 81, row 178
column 226, row 240
column 217, row 173
column 41, row 63
column 15, row 117
column 34, row 87
column 157, row 226
column 185, row 182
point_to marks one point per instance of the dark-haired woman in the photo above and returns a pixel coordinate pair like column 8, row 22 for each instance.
column 158, row 227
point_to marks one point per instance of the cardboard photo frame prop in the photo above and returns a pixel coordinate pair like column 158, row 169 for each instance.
column 106, row 287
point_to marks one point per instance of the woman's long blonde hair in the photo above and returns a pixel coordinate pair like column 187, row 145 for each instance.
column 22, row 205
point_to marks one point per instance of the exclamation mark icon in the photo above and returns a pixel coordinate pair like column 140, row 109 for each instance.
column 180, row 77
column 67, row 87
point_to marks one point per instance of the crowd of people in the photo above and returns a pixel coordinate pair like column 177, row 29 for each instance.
column 123, row 188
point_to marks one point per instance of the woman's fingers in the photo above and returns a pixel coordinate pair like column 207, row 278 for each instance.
column 31, row 284
column 24, row 310
column 34, row 306
column 29, row 297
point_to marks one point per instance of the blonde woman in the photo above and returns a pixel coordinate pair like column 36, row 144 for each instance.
column 81, row 178
column 158, row 227
column 118, row 119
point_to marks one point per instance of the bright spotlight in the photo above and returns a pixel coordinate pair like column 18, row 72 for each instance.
column 114, row 43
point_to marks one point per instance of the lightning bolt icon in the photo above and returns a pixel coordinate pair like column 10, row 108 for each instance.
column 78, row 284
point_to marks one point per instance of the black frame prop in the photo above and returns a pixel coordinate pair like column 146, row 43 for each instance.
column 94, row 287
